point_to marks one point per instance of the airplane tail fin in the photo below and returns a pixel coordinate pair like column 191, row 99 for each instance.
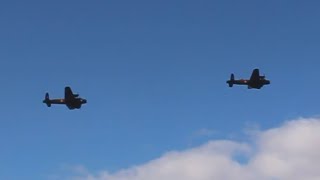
column 47, row 100
column 231, row 81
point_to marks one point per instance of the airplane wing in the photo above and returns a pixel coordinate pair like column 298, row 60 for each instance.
column 255, row 75
column 68, row 93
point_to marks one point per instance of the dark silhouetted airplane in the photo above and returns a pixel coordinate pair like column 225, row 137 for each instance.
column 256, row 81
column 72, row 101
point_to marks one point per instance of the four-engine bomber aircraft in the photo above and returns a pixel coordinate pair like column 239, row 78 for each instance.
column 72, row 101
column 256, row 81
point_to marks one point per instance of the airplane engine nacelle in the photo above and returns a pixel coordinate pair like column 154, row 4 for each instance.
column 79, row 106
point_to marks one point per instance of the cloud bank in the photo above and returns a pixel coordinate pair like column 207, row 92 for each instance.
column 289, row 152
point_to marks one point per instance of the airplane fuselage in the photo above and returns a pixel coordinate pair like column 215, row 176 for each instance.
column 251, row 84
column 71, row 104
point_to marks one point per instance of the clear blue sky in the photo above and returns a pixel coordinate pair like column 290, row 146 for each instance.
column 153, row 73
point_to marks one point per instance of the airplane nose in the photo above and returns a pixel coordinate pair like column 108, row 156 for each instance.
column 84, row 101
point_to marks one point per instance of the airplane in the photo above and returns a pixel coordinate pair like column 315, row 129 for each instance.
column 72, row 101
column 256, row 81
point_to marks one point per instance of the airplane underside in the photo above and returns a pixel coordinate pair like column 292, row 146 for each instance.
column 245, row 82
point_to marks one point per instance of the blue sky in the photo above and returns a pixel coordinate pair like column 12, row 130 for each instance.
column 153, row 73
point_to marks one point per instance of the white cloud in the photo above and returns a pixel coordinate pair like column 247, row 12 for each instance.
column 289, row 152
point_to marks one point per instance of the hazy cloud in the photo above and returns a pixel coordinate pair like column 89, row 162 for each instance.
column 204, row 132
column 289, row 152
